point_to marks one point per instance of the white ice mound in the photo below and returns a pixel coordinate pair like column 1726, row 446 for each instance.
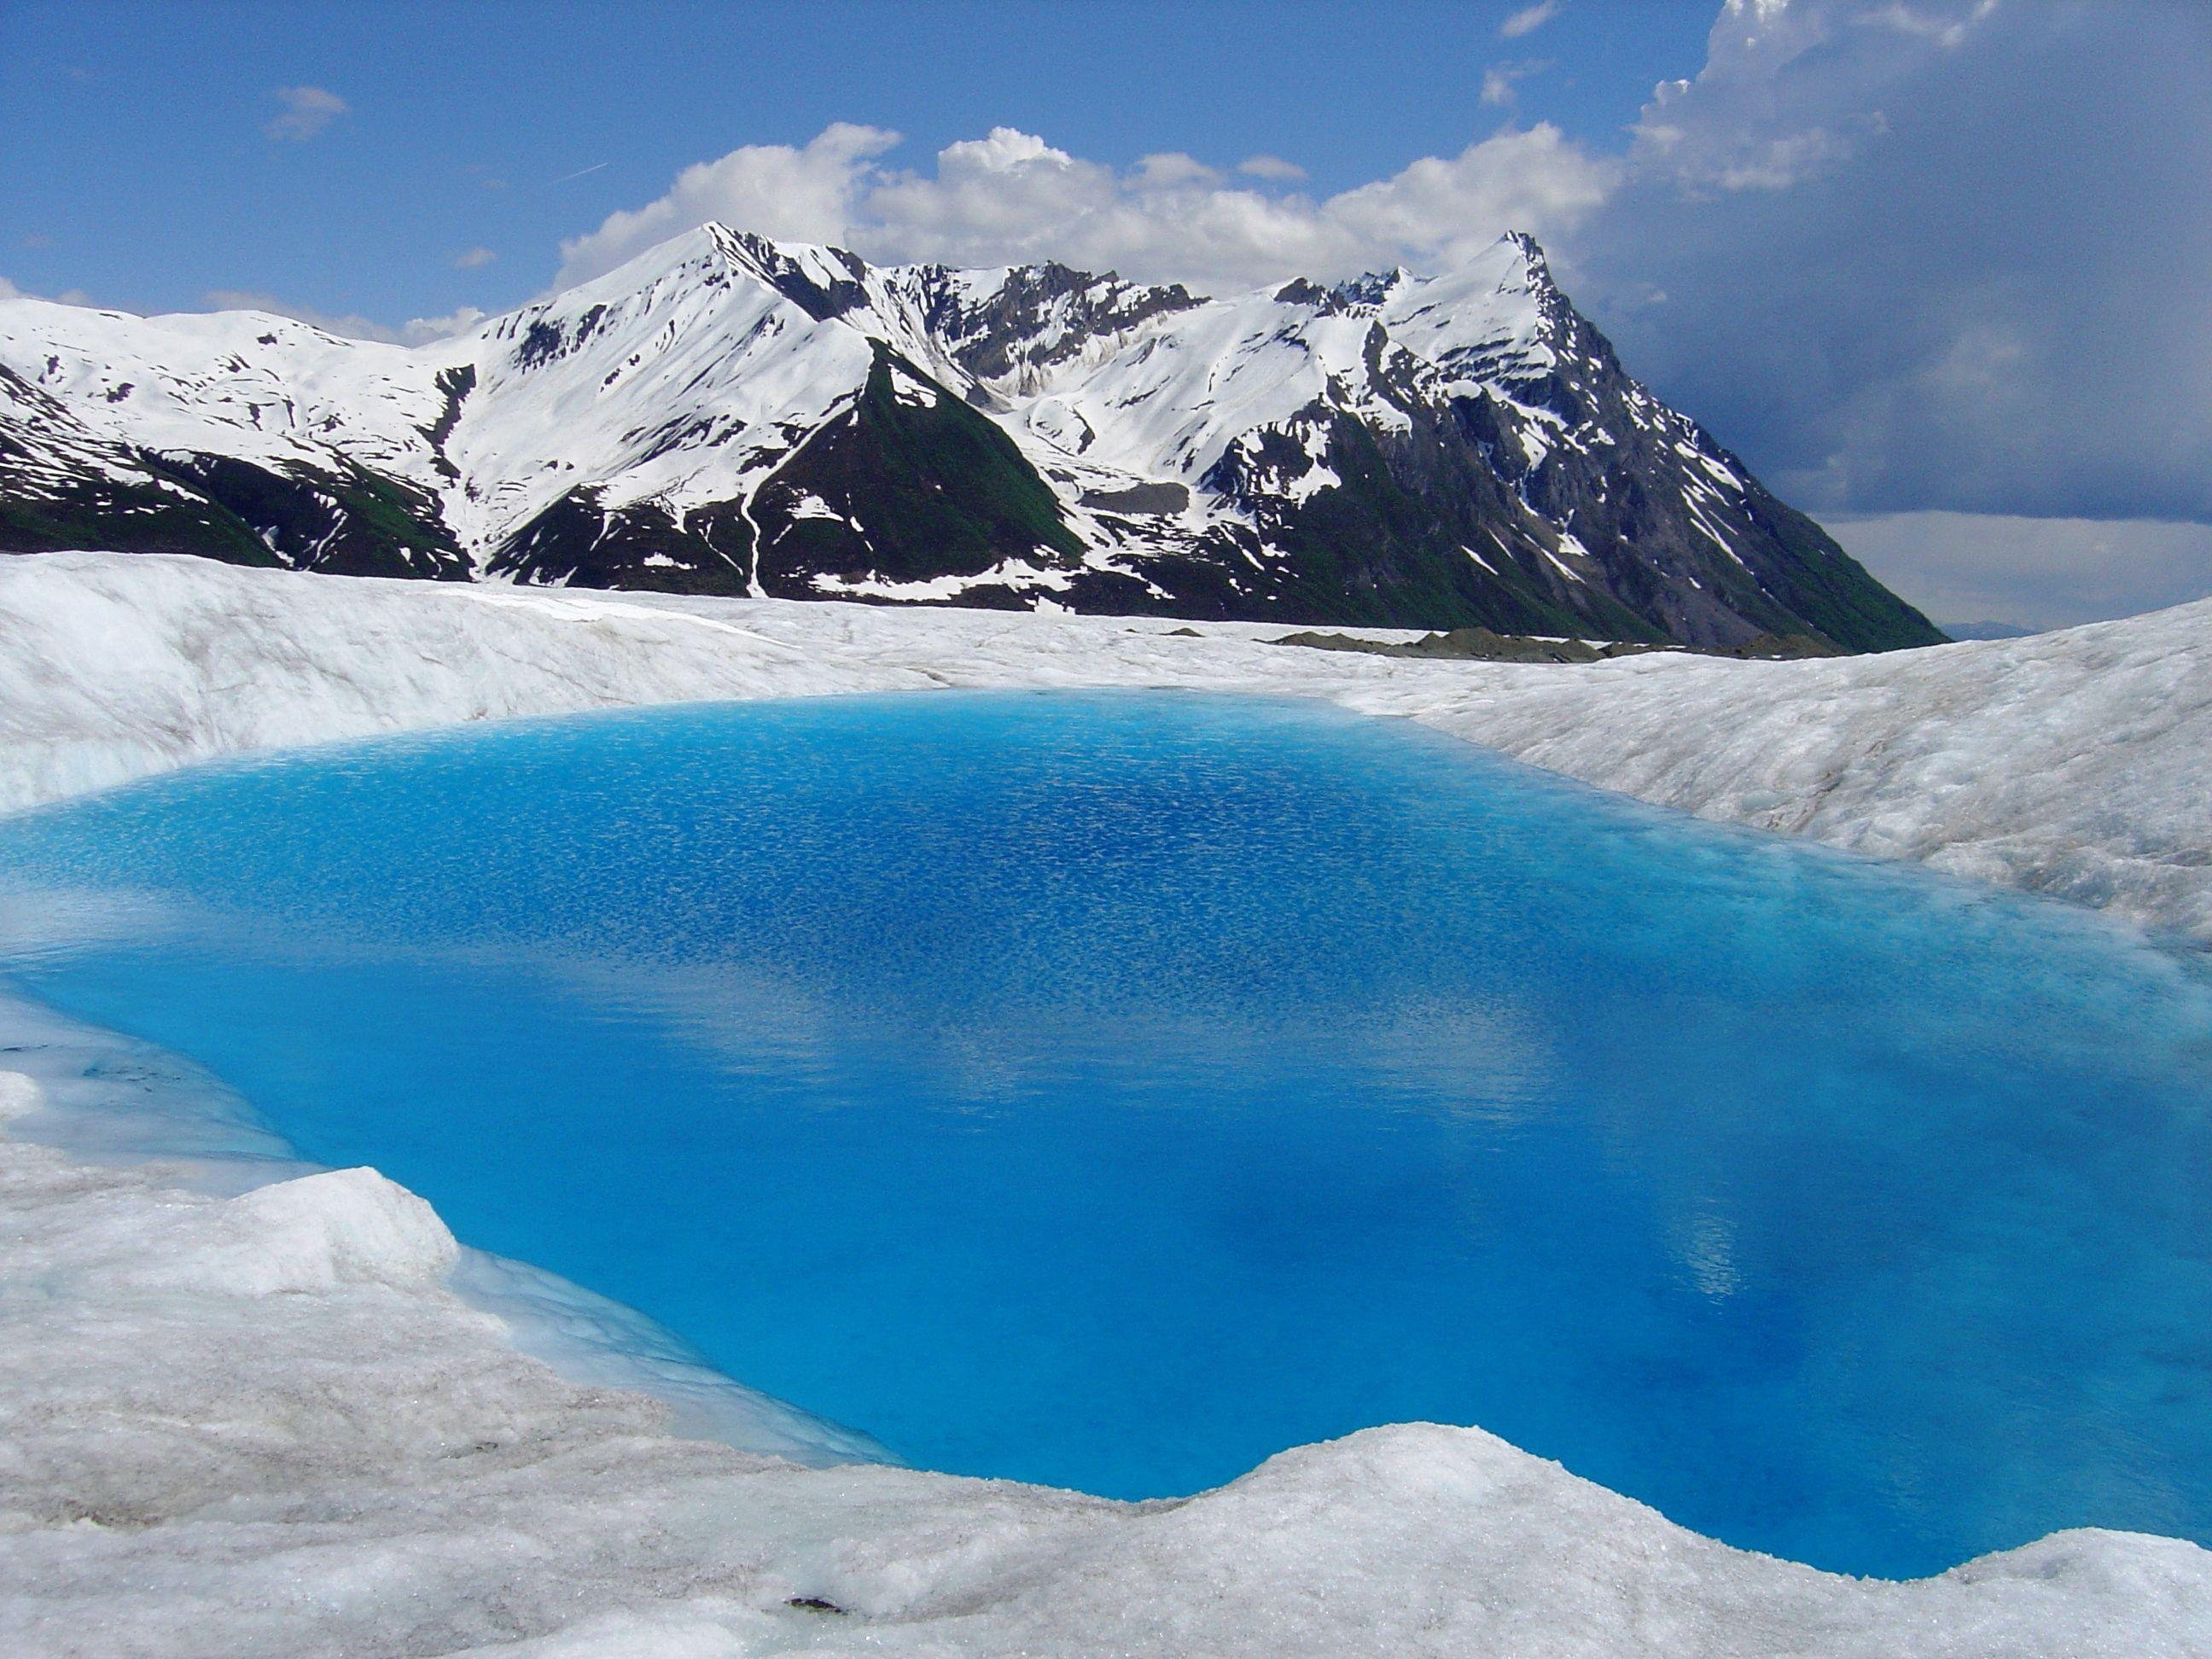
column 311, row 1242
column 313, row 1234
column 345, row 1226
column 19, row 1095
column 1423, row 1539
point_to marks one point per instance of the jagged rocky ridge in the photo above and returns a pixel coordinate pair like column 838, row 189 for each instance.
column 730, row 415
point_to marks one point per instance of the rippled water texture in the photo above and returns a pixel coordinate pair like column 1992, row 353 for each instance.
column 1112, row 1091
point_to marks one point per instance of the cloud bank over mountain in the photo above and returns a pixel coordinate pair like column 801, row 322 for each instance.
column 1931, row 257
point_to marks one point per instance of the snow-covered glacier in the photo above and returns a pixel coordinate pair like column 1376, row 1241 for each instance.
column 257, row 1418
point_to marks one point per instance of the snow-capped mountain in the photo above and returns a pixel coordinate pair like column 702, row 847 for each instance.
column 726, row 413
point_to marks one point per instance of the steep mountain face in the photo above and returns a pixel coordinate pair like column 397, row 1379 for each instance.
column 730, row 414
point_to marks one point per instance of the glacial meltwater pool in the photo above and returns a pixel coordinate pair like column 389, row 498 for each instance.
column 1114, row 1089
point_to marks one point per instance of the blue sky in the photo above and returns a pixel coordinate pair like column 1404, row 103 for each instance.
column 1938, row 269
column 139, row 171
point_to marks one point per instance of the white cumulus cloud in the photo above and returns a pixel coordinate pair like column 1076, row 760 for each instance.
column 1532, row 178
column 1498, row 80
column 1011, row 196
column 1528, row 18
column 421, row 331
column 308, row 111
column 803, row 194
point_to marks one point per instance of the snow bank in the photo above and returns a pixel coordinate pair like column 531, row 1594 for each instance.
column 2071, row 763
column 267, row 1424
column 252, row 1411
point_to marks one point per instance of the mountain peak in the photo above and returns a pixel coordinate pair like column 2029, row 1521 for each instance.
column 1535, row 261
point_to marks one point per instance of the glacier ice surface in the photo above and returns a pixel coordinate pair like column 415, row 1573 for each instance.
column 2071, row 763
column 247, row 1409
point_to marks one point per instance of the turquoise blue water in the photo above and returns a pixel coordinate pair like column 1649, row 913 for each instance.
column 1113, row 1091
